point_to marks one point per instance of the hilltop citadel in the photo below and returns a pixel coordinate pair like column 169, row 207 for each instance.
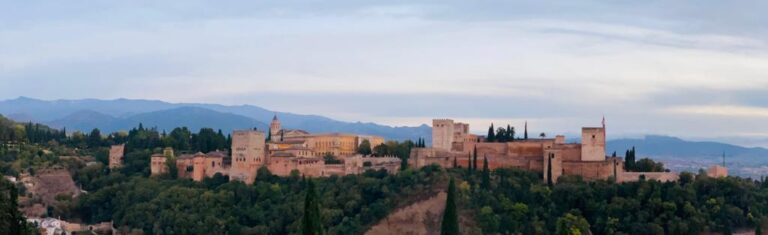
column 285, row 152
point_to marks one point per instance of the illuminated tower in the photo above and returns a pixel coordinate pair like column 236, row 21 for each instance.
column 274, row 127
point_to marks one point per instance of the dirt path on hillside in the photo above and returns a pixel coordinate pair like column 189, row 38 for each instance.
column 420, row 218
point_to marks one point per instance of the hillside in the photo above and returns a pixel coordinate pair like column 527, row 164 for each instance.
column 121, row 114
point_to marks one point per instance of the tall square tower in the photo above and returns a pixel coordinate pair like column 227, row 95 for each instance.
column 593, row 144
column 248, row 154
column 116, row 154
column 442, row 134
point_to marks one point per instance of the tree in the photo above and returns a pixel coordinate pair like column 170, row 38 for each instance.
column 543, row 135
column 94, row 139
column 330, row 159
column 570, row 224
column 486, row 183
column 381, row 150
column 474, row 161
column 455, row 163
column 549, row 172
column 525, row 134
column 501, row 135
column 450, row 223
column 311, row 223
column 491, row 136
column 469, row 163
column 648, row 165
column 263, row 174
column 365, row 148
column 11, row 219
column 173, row 170
column 269, row 135
column 631, row 160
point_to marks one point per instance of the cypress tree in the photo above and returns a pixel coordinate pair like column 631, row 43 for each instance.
column 510, row 134
column 455, row 163
column 758, row 230
column 469, row 165
column 525, row 135
column 486, row 183
column 13, row 221
column 311, row 224
column 450, row 224
column 269, row 135
column 491, row 136
column 474, row 161
column 549, row 172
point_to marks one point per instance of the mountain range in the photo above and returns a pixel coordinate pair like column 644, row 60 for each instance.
column 123, row 114
column 672, row 148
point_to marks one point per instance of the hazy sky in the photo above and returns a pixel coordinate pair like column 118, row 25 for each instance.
column 695, row 69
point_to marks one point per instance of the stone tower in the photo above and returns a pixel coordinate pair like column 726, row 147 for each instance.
column 116, row 154
column 248, row 154
column 274, row 127
column 442, row 134
column 593, row 144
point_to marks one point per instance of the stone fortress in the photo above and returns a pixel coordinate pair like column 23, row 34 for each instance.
column 285, row 152
column 282, row 151
column 452, row 142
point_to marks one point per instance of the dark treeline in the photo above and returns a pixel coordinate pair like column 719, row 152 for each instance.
column 401, row 150
column 11, row 131
column 642, row 165
column 139, row 138
column 518, row 202
column 503, row 135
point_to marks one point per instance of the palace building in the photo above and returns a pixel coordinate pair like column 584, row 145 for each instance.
column 288, row 152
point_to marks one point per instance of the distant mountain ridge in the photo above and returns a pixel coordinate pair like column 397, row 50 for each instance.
column 672, row 148
column 122, row 114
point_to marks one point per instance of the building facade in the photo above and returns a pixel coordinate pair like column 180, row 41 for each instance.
column 248, row 155
column 116, row 155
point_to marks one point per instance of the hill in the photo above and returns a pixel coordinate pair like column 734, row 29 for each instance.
column 121, row 114
column 665, row 147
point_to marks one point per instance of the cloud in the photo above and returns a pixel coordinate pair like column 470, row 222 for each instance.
column 721, row 110
column 651, row 67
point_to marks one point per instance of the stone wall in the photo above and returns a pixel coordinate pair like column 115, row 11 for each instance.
column 157, row 164
column 659, row 176
column 116, row 154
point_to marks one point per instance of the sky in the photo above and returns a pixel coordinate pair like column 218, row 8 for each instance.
column 692, row 69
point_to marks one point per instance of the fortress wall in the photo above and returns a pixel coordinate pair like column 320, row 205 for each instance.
column 570, row 152
column 589, row 170
column 659, row 176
